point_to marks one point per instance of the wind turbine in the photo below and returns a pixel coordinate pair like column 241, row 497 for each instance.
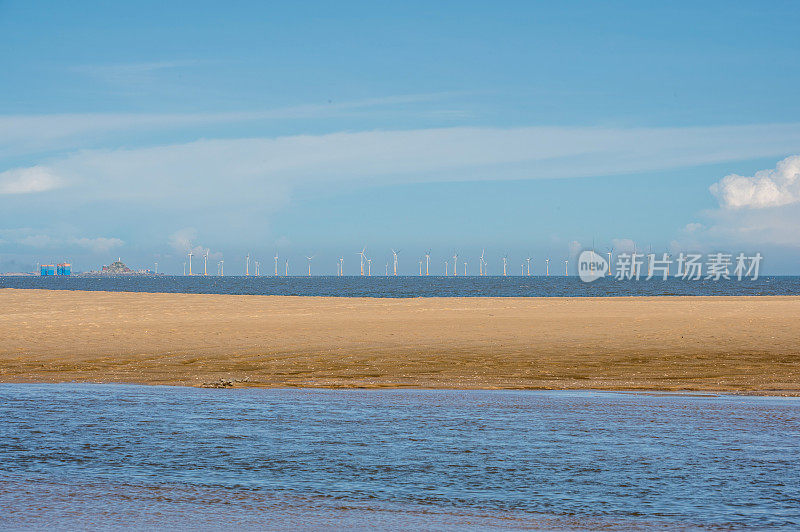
column 394, row 253
column 341, row 266
column 609, row 252
column 276, row 264
column 566, row 268
column 184, row 267
column 420, row 268
column 361, row 254
column 205, row 264
column 222, row 268
column 445, row 268
column 529, row 266
column 455, row 264
column 190, row 262
column 547, row 262
column 465, row 269
column 309, row 265
column 522, row 270
column 156, row 268
column 505, row 265
column 247, row 265
column 427, row 261
column 480, row 263
column 257, row 265
column 287, row 268
column 387, row 269
column 369, row 267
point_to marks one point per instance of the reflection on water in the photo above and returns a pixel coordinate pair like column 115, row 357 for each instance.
column 413, row 286
column 105, row 455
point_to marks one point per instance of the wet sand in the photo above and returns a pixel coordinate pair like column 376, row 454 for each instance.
column 720, row 344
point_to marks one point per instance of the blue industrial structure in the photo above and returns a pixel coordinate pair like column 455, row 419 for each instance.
column 63, row 268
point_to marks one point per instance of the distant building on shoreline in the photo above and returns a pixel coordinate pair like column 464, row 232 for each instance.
column 63, row 268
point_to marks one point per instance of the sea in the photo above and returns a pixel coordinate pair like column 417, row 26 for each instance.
column 413, row 286
column 98, row 456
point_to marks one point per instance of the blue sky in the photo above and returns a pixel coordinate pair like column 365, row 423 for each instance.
column 145, row 130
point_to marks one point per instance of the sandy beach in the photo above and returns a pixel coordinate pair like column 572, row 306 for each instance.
column 726, row 344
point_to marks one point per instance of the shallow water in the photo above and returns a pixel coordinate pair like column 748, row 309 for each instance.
column 78, row 455
column 556, row 286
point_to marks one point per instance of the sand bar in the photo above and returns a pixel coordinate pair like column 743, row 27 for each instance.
column 735, row 344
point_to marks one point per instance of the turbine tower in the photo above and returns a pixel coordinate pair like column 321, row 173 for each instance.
column 257, row 265
column 480, row 262
column 445, row 268
column 427, row 261
column 369, row 267
column 420, row 268
column 455, row 264
column 341, row 266
column 609, row 252
column 529, row 266
column 222, row 268
column 361, row 254
column 465, row 269
column 309, row 265
column 287, row 268
column 205, row 264
column 566, row 268
column 547, row 271
column 505, row 265
column 394, row 253
column 190, row 262
column 276, row 264
column 184, row 267
column 247, row 265
column 156, row 268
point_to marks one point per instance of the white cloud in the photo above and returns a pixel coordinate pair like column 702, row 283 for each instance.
column 28, row 180
column 693, row 227
column 183, row 242
column 263, row 168
column 128, row 74
column 758, row 211
column 54, row 239
column 623, row 245
column 37, row 241
column 26, row 134
column 97, row 245
column 767, row 188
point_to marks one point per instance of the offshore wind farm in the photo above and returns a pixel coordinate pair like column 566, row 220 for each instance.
column 420, row 265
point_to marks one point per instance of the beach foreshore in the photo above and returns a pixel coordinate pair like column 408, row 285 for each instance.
column 719, row 344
